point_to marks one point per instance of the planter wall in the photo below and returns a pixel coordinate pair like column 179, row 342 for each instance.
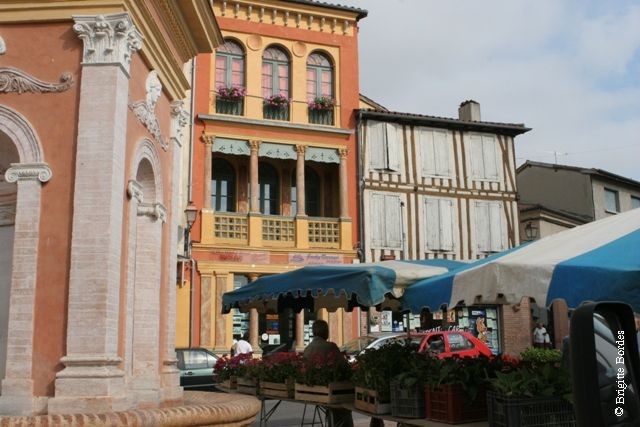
column 507, row 411
column 450, row 404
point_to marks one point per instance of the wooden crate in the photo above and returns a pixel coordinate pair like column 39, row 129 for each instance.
column 285, row 390
column 231, row 383
column 367, row 400
column 248, row 386
column 337, row 392
column 450, row 404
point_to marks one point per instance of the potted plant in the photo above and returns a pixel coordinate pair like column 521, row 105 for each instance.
column 324, row 378
column 456, row 393
column 226, row 369
column 373, row 371
column 229, row 99
column 321, row 110
column 536, row 389
column 276, row 107
column 277, row 378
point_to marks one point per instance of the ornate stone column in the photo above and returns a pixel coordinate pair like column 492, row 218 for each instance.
column 17, row 386
column 92, row 380
column 254, row 206
column 300, row 183
column 208, row 146
column 300, row 331
column 344, row 192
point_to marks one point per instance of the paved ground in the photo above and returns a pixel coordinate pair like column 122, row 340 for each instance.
column 289, row 414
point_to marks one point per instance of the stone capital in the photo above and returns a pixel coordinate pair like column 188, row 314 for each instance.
column 28, row 171
column 208, row 138
column 108, row 39
column 254, row 144
column 343, row 152
column 134, row 191
column 300, row 149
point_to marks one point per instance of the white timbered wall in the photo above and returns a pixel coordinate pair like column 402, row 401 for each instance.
column 454, row 191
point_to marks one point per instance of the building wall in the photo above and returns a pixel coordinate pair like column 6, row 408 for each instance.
column 458, row 187
column 625, row 192
column 571, row 189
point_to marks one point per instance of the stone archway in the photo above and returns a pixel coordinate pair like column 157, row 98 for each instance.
column 146, row 218
column 25, row 173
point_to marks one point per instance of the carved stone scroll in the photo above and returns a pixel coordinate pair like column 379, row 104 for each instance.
column 15, row 80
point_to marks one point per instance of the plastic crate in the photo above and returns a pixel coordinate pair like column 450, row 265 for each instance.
column 506, row 411
column 450, row 404
column 407, row 402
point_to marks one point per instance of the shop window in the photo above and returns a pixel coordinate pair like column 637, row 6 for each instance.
column 385, row 145
column 240, row 320
column 223, row 186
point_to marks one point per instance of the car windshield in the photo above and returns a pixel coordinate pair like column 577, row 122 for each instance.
column 358, row 344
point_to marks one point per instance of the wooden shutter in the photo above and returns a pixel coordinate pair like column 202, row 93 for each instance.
column 442, row 149
column 376, row 138
column 490, row 158
column 496, row 242
column 476, row 156
column 393, row 220
column 427, row 151
column 432, row 223
column 377, row 222
column 446, row 224
column 483, row 238
column 394, row 145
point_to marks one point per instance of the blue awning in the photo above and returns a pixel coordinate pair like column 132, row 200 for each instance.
column 334, row 286
column 598, row 261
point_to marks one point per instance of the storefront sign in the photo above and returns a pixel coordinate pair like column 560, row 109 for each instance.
column 315, row 259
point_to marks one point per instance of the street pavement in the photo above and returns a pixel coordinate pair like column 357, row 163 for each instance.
column 289, row 414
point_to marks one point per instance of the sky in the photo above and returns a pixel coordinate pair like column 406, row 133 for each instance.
column 569, row 69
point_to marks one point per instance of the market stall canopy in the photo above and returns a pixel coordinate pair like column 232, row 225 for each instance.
column 598, row 261
column 334, row 286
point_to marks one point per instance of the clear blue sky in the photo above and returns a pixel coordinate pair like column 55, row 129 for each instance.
column 568, row 69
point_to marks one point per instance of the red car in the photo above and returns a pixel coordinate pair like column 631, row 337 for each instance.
column 444, row 344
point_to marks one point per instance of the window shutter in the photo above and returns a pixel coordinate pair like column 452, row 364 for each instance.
column 442, row 150
column 432, row 223
column 446, row 225
column 483, row 240
column 393, row 218
column 496, row 227
column 377, row 144
column 394, row 145
column 490, row 156
column 377, row 220
column 476, row 156
column 427, row 150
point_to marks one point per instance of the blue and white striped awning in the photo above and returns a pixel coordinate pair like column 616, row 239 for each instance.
column 598, row 261
column 333, row 286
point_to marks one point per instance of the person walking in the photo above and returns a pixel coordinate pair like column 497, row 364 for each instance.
column 539, row 335
column 321, row 346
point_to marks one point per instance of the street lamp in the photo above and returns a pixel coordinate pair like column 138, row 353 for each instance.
column 191, row 212
column 530, row 231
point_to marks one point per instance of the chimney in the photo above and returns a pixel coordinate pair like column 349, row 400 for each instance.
column 469, row 111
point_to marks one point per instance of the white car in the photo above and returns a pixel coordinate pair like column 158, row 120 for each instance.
column 377, row 340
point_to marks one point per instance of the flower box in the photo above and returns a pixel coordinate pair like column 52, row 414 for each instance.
column 510, row 411
column 248, row 386
column 270, row 389
column 230, row 383
column 450, row 404
column 335, row 392
column 233, row 107
column 407, row 401
column 367, row 400
column 321, row 117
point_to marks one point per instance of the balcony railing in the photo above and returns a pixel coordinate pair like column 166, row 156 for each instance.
column 231, row 227
column 321, row 117
column 324, row 233
column 278, row 229
column 224, row 106
column 275, row 113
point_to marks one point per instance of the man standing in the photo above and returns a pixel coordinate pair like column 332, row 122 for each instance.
column 539, row 335
column 321, row 346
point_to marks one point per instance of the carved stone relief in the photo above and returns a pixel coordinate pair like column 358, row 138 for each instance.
column 145, row 110
column 15, row 80
column 3, row 46
column 179, row 119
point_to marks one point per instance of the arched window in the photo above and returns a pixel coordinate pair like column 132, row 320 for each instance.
column 269, row 189
column 223, row 186
column 312, row 190
column 230, row 65
column 319, row 77
column 275, row 73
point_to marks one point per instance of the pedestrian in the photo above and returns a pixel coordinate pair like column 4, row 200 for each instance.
column 538, row 335
column 321, row 346
column 243, row 346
